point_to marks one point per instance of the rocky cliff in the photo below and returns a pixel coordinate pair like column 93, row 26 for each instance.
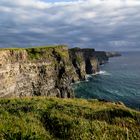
column 84, row 61
column 113, row 54
column 45, row 71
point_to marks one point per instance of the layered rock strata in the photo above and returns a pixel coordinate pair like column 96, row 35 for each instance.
column 45, row 71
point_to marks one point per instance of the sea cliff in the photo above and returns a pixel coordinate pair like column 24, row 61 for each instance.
column 46, row 71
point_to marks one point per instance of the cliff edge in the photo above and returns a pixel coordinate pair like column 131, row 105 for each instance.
column 45, row 71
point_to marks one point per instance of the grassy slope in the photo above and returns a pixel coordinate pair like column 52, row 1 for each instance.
column 75, row 119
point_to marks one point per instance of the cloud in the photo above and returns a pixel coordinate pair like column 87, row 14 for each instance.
column 102, row 24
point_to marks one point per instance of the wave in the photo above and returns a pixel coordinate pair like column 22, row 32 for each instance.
column 101, row 73
column 88, row 76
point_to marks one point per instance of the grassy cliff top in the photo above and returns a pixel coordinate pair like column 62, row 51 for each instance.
column 37, row 53
column 73, row 119
column 82, row 49
column 37, row 47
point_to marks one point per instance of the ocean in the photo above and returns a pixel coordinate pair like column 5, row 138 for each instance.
column 118, row 80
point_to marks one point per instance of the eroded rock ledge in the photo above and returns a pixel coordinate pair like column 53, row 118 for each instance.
column 45, row 71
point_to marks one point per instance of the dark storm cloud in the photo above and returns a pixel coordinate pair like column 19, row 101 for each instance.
column 104, row 25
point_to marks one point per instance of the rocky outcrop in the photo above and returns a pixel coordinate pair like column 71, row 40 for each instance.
column 46, row 71
column 101, row 56
column 84, row 61
column 113, row 54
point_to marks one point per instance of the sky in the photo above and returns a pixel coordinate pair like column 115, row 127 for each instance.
column 100, row 24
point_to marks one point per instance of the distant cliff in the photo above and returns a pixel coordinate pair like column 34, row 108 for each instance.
column 113, row 54
column 46, row 71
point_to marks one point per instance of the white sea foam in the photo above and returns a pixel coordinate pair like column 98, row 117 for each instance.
column 87, row 80
column 88, row 76
column 102, row 73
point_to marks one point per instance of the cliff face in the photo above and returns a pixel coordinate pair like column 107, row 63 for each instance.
column 47, row 71
column 113, row 54
column 84, row 61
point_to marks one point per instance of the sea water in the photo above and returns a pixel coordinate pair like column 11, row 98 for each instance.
column 118, row 80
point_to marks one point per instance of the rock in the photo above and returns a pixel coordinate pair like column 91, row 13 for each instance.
column 113, row 54
column 120, row 103
column 45, row 71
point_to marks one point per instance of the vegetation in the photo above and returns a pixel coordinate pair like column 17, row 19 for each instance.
column 79, row 59
column 70, row 119
column 37, row 48
column 37, row 53
column 46, row 52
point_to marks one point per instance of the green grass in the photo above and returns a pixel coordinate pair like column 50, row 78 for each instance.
column 42, row 52
column 46, row 52
column 42, row 118
column 37, row 47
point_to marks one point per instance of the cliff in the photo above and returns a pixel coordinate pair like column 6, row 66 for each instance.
column 113, row 54
column 84, row 61
column 45, row 71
